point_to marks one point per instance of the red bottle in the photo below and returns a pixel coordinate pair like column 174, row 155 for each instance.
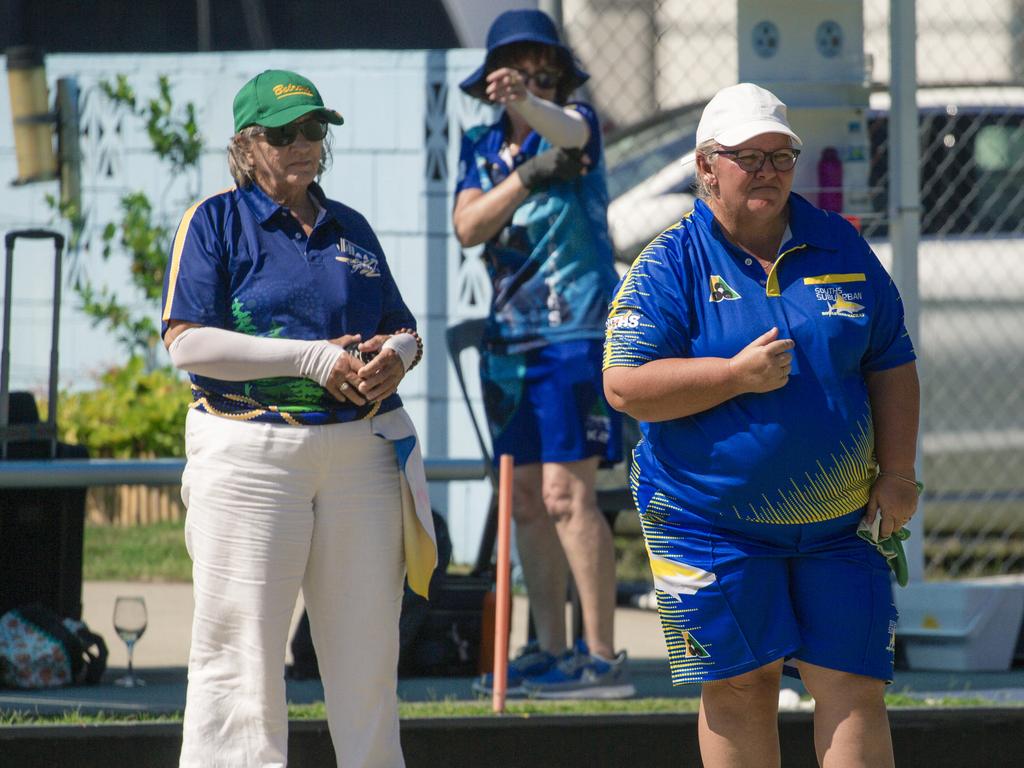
column 830, row 180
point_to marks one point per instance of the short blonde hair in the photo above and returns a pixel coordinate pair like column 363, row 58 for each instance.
column 243, row 171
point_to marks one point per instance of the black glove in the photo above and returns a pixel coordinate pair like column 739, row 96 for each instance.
column 555, row 164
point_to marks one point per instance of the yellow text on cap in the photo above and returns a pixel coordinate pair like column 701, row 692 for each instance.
column 283, row 91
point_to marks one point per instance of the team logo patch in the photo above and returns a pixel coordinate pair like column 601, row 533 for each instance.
column 692, row 649
column 721, row 290
column 839, row 303
column 359, row 260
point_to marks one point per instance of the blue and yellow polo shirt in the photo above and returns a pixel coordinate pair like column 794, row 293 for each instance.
column 551, row 266
column 240, row 261
column 799, row 454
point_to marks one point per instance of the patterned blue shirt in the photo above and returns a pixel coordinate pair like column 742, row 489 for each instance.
column 551, row 266
column 242, row 262
column 802, row 453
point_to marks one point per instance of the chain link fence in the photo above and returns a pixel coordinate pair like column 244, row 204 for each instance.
column 654, row 63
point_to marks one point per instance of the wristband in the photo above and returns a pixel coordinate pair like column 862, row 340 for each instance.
column 408, row 345
column 405, row 346
column 916, row 483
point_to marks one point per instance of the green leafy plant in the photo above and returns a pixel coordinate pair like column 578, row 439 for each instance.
column 137, row 409
column 143, row 233
column 174, row 139
column 132, row 412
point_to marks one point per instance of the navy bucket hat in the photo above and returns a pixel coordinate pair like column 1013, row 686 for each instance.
column 523, row 26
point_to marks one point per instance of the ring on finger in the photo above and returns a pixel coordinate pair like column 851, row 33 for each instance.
column 343, row 386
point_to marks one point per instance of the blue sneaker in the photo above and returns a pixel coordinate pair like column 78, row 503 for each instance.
column 529, row 661
column 582, row 675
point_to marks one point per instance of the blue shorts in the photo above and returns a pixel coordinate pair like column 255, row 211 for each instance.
column 734, row 596
column 547, row 404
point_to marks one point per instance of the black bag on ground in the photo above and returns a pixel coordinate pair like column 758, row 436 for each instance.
column 440, row 636
column 39, row 649
column 448, row 640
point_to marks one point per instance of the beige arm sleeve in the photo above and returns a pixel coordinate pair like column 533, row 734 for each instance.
column 562, row 126
column 232, row 356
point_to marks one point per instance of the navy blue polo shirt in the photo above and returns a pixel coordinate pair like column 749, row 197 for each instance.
column 551, row 265
column 241, row 262
column 799, row 454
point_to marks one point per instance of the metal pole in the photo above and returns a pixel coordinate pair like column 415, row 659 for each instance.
column 69, row 155
column 204, row 35
column 51, row 406
column 905, row 204
column 78, row 473
column 5, row 349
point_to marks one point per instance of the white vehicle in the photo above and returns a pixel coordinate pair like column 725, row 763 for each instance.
column 972, row 167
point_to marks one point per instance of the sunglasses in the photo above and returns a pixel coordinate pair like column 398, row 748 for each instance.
column 753, row 160
column 282, row 136
column 545, row 79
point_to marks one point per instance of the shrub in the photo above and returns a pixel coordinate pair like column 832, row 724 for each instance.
column 133, row 412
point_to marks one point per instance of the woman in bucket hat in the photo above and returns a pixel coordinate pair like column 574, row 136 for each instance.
column 531, row 190
column 761, row 345
column 303, row 468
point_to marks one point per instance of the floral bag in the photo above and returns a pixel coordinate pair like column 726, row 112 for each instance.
column 39, row 649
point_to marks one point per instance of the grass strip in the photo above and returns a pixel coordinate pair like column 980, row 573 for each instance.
column 153, row 552
column 409, row 710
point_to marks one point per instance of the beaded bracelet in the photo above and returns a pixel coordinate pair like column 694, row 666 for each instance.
column 916, row 483
column 419, row 346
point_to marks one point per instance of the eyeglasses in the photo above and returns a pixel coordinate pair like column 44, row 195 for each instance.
column 752, row 160
column 545, row 79
column 283, row 135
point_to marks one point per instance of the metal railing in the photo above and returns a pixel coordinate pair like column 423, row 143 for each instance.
column 78, row 473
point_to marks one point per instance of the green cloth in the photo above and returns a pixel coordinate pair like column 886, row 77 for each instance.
column 891, row 548
column 276, row 97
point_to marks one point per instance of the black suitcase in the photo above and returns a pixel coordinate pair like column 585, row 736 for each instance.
column 41, row 529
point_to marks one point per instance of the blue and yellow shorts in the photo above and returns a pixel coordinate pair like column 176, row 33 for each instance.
column 734, row 596
column 547, row 404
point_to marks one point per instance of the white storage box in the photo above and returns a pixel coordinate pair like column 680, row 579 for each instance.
column 970, row 625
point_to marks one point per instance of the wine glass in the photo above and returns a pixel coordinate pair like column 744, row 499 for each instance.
column 130, row 623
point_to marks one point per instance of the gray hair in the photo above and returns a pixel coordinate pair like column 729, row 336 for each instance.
column 704, row 149
column 243, row 171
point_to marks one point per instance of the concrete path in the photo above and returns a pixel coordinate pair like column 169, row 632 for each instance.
column 167, row 639
column 162, row 656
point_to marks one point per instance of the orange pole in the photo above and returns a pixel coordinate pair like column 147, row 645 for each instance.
column 504, row 592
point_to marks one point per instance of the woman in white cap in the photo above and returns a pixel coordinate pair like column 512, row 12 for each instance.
column 762, row 347
column 303, row 467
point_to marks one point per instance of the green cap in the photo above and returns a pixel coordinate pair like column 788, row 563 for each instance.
column 276, row 97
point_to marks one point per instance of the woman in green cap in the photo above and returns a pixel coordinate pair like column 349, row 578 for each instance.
column 303, row 468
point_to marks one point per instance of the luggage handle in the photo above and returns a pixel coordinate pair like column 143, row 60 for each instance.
column 34, row 234
column 49, row 427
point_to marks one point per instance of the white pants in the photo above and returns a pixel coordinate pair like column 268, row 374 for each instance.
column 272, row 508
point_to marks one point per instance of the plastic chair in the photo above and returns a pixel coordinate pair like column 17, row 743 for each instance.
column 464, row 335
column 468, row 334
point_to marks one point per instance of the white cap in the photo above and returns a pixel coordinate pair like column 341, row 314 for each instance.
column 741, row 112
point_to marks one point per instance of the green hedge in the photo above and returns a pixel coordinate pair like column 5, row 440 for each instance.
column 132, row 413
